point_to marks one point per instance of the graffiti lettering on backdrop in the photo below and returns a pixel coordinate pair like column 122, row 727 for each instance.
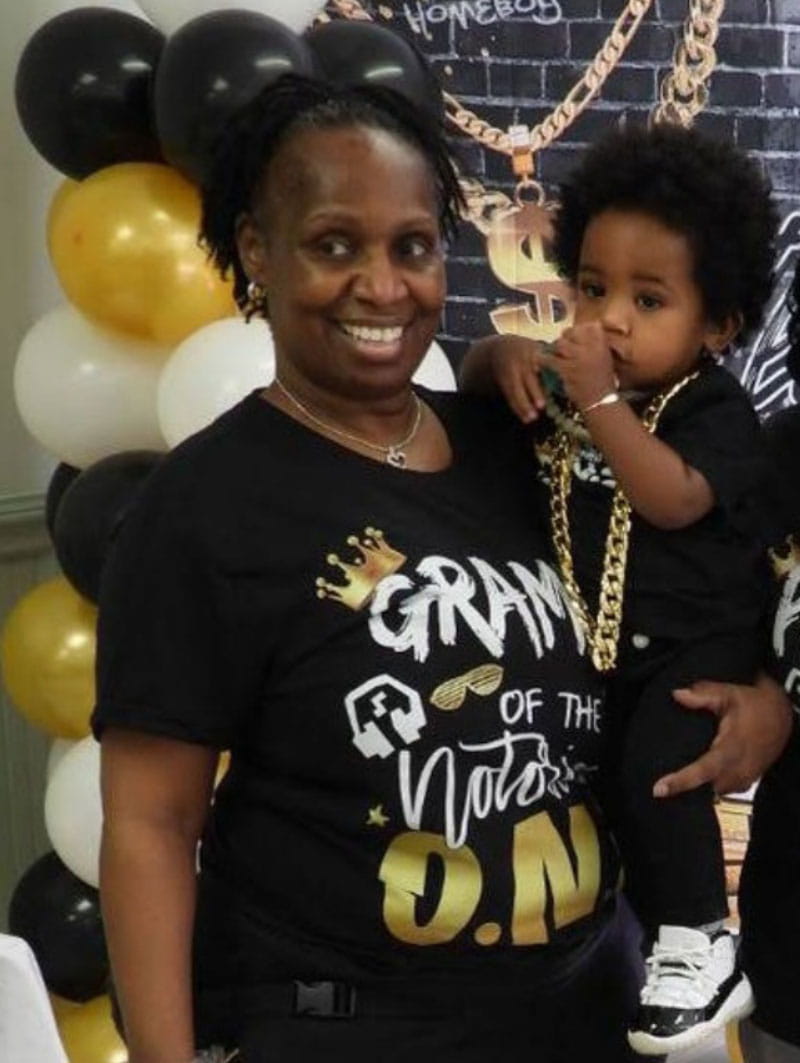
column 762, row 366
column 421, row 15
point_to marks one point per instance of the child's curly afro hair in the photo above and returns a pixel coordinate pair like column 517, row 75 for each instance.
column 710, row 191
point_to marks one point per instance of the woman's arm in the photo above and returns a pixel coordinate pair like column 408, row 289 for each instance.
column 755, row 723
column 156, row 794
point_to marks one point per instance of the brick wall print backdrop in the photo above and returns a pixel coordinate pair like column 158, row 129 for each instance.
column 514, row 60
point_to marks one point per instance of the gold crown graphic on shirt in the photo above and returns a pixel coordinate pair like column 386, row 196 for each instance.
column 786, row 557
column 376, row 559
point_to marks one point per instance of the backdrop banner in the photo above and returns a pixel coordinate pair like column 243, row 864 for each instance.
column 537, row 62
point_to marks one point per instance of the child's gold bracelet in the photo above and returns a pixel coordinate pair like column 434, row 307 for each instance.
column 605, row 400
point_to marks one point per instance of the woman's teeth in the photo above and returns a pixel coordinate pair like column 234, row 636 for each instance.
column 368, row 334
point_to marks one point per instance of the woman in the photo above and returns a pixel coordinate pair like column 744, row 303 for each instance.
column 343, row 582
column 769, row 896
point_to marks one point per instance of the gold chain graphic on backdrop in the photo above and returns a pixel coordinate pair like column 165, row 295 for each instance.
column 518, row 228
column 602, row 631
column 576, row 100
column 684, row 91
column 564, row 114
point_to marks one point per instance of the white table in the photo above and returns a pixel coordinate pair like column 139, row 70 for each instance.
column 28, row 1031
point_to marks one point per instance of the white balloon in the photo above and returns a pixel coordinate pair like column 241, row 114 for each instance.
column 168, row 15
column 210, row 371
column 73, row 812
column 435, row 371
column 84, row 393
column 58, row 747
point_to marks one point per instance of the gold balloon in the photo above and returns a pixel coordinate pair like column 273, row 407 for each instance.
column 62, row 194
column 124, row 246
column 61, row 1007
column 89, row 1034
column 47, row 651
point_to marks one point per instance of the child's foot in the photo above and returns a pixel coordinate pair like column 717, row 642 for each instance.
column 694, row 987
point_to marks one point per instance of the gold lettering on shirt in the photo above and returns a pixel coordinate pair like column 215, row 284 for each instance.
column 541, row 859
column 556, row 882
column 404, row 872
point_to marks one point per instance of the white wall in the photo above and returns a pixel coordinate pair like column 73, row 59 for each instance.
column 28, row 287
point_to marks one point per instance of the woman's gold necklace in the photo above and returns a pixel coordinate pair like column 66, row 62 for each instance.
column 393, row 453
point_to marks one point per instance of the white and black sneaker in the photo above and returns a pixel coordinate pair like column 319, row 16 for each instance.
column 694, row 987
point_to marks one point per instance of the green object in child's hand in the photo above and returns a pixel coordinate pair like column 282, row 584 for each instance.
column 551, row 381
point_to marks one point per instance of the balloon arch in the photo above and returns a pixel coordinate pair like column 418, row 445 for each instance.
column 146, row 349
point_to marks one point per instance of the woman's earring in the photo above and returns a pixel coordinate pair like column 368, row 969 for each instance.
column 256, row 300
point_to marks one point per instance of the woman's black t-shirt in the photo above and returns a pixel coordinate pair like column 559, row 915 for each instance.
column 412, row 718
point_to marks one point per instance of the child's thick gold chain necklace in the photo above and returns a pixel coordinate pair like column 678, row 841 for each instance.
column 602, row 631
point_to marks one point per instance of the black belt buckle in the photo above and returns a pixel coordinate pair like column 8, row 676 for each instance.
column 324, row 1000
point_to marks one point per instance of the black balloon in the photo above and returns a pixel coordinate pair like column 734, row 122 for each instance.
column 59, row 916
column 90, row 512
column 62, row 477
column 352, row 52
column 211, row 67
column 83, row 89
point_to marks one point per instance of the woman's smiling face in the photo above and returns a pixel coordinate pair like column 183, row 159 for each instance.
column 344, row 237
